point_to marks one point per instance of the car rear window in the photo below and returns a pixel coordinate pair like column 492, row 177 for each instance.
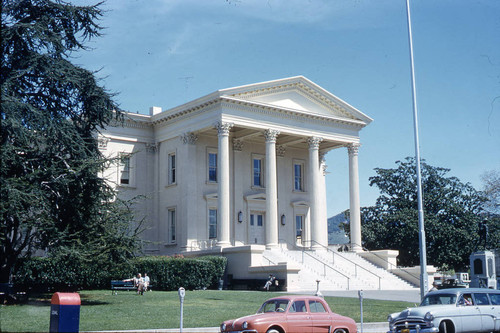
column 316, row 306
column 481, row 299
column 495, row 299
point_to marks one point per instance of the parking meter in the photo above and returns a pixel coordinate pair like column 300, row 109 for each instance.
column 360, row 295
column 182, row 293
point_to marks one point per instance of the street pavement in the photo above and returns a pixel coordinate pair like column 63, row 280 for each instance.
column 367, row 328
column 412, row 295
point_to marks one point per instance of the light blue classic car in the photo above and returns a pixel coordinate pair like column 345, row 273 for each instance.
column 451, row 310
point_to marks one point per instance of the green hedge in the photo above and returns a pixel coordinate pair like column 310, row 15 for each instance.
column 166, row 273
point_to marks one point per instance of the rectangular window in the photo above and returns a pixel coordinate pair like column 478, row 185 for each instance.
column 298, row 175
column 212, row 223
column 258, row 217
column 481, row 299
column 257, row 172
column 171, row 169
column 260, row 220
column 495, row 299
column 316, row 306
column 299, row 225
column 171, row 225
column 125, row 169
column 212, row 167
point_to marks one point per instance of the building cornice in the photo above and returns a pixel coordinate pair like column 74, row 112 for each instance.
column 133, row 120
column 289, row 113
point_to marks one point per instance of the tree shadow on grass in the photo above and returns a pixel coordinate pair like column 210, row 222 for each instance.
column 45, row 300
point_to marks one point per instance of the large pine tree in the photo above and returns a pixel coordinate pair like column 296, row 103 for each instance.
column 52, row 197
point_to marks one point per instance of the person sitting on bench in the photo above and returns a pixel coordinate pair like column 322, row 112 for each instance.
column 138, row 283
column 269, row 282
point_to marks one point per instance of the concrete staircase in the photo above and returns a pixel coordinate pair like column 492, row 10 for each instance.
column 335, row 270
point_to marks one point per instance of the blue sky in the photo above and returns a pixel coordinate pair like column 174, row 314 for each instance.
column 168, row 52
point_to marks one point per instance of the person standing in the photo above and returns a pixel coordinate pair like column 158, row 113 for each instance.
column 146, row 281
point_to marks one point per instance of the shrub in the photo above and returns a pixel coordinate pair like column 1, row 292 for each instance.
column 64, row 273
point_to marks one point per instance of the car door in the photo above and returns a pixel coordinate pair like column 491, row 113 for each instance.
column 321, row 318
column 298, row 318
column 486, row 309
column 469, row 314
column 495, row 307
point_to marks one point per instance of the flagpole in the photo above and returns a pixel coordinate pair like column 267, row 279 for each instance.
column 421, row 233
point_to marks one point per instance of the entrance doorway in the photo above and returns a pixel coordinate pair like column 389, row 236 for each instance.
column 299, row 229
column 256, row 232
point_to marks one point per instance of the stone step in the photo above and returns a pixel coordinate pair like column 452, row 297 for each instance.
column 346, row 271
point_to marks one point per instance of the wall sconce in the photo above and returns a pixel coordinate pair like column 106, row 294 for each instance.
column 240, row 217
column 283, row 219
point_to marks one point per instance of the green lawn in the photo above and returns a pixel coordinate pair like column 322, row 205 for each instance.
column 157, row 309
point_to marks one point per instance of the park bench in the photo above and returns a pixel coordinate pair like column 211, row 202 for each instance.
column 10, row 294
column 123, row 285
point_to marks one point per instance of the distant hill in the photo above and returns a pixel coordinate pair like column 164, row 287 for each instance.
column 335, row 234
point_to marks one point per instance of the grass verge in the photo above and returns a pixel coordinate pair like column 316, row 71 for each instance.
column 159, row 310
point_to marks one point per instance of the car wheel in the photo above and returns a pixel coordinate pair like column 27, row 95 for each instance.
column 443, row 328
column 340, row 330
column 272, row 330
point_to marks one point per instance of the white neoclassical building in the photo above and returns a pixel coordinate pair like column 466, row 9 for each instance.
column 240, row 167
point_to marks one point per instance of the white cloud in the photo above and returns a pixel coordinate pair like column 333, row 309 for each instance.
column 178, row 42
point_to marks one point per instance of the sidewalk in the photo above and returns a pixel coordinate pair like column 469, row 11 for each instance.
column 412, row 295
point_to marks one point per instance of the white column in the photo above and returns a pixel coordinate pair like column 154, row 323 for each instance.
column 188, row 161
column 323, row 211
column 239, row 228
column 271, row 190
column 223, row 180
column 315, row 193
column 355, row 214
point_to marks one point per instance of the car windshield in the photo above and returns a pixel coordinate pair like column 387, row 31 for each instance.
column 274, row 305
column 433, row 299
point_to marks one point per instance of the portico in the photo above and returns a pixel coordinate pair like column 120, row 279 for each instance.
column 275, row 147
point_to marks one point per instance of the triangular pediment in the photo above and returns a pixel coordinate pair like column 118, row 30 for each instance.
column 296, row 94
column 256, row 197
column 300, row 203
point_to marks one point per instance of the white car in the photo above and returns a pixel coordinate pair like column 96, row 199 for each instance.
column 458, row 310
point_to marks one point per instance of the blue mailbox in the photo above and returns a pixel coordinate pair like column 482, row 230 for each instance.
column 65, row 312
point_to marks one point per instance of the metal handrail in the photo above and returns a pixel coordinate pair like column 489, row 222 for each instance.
column 324, row 266
column 355, row 264
column 270, row 262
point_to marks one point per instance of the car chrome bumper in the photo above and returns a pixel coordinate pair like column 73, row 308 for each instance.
column 412, row 330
